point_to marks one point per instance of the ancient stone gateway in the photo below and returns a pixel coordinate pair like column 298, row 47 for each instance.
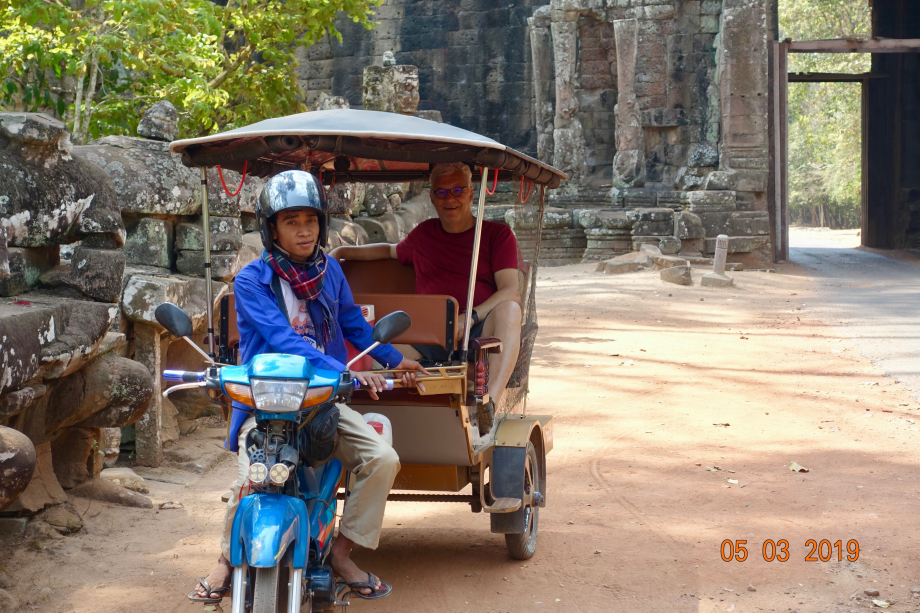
column 656, row 109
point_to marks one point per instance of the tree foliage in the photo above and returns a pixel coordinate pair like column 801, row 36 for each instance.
column 98, row 64
column 825, row 125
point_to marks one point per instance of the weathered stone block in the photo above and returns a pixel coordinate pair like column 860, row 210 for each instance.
column 224, row 265
column 669, row 245
column 712, row 279
column 692, row 247
column 75, row 457
column 711, row 7
column 17, row 464
column 226, row 235
column 706, row 201
column 553, row 218
column 613, row 267
column 652, row 222
column 668, row 261
column 97, row 273
column 149, row 243
column 677, row 274
column 160, row 122
column 150, row 180
column 741, row 244
column 43, row 490
column 376, row 202
column 48, row 197
column 341, row 198
column 127, row 478
column 688, row 226
column 691, row 178
column 106, row 491
column 391, row 88
column 641, row 258
column 26, row 267
column 709, row 24
column 376, row 232
column 749, row 223
column 112, row 446
column 350, row 233
column 715, row 222
column 116, row 392
column 144, row 293
column 737, row 180
column 431, row 116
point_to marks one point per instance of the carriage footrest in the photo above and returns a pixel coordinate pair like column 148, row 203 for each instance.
column 503, row 505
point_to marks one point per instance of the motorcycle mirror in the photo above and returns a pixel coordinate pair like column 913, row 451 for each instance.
column 175, row 320
column 391, row 326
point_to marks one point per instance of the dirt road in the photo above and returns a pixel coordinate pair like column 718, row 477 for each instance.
column 678, row 411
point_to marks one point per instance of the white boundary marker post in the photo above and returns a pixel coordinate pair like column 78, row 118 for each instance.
column 718, row 278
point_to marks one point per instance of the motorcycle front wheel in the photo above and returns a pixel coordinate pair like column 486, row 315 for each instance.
column 267, row 593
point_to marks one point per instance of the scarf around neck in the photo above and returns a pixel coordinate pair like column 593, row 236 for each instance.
column 306, row 281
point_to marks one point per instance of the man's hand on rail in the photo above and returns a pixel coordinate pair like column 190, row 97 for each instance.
column 409, row 379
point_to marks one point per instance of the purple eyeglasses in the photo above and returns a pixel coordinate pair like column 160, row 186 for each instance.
column 456, row 192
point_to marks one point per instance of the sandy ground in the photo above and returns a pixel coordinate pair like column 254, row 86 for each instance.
column 678, row 411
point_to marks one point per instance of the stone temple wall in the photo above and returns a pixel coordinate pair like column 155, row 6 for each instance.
column 657, row 108
column 641, row 102
column 472, row 56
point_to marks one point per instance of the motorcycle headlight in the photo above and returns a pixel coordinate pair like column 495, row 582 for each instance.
column 279, row 473
column 278, row 396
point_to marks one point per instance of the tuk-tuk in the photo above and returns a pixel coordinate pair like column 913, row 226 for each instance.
column 435, row 431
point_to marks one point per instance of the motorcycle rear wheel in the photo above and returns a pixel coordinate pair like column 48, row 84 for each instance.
column 267, row 591
column 523, row 546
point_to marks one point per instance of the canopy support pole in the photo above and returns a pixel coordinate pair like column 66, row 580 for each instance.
column 483, row 187
column 206, row 231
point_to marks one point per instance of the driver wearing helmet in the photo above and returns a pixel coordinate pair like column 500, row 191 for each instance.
column 296, row 300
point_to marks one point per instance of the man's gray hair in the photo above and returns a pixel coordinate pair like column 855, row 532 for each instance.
column 440, row 170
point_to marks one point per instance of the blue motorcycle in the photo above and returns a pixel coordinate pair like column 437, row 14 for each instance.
column 282, row 530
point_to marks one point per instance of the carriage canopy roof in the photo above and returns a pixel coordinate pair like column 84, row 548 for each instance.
column 356, row 145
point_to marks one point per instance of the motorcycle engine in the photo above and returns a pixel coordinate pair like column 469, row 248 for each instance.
column 321, row 582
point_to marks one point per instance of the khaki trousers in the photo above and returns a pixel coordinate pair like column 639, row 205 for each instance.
column 363, row 452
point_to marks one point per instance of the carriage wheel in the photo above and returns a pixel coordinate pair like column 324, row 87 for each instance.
column 522, row 546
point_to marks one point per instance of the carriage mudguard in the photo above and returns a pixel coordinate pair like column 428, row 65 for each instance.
column 264, row 527
column 508, row 460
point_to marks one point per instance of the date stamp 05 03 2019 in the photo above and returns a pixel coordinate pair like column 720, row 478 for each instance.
column 820, row 551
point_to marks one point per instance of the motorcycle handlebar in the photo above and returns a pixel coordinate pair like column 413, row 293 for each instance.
column 389, row 385
column 184, row 376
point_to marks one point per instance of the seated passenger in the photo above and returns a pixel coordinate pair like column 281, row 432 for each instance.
column 441, row 252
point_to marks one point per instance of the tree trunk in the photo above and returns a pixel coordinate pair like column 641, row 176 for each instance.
column 90, row 94
column 77, row 111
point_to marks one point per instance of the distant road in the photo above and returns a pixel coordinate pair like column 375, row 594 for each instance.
column 876, row 296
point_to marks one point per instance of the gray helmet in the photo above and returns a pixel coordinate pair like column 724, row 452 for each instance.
column 291, row 190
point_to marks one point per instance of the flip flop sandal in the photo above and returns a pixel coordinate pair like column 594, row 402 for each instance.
column 194, row 596
column 385, row 588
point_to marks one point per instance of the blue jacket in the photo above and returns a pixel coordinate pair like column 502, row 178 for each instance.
column 264, row 328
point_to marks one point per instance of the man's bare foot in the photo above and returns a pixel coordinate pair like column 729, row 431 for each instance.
column 219, row 577
column 340, row 560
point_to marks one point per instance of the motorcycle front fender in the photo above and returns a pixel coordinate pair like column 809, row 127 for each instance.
column 264, row 528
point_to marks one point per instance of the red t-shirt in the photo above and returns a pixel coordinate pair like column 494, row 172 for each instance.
column 442, row 260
